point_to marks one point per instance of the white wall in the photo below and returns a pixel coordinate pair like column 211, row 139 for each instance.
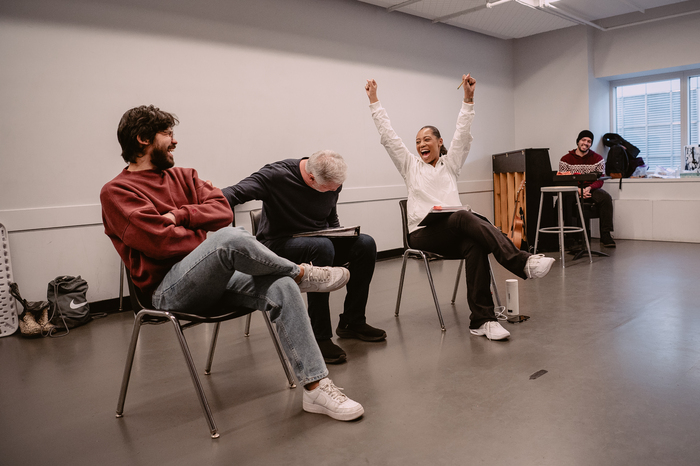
column 251, row 82
column 551, row 90
column 660, row 45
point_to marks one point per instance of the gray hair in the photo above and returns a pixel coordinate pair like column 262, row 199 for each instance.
column 327, row 166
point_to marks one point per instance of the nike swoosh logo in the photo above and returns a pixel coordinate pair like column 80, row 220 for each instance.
column 76, row 306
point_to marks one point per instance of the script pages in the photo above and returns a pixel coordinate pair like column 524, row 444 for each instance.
column 438, row 212
column 331, row 232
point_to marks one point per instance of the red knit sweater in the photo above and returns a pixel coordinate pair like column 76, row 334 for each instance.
column 592, row 162
column 133, row 204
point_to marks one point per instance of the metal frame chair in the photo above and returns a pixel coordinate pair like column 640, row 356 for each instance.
column 254, row 221
column 181, row 321
column 427, row 257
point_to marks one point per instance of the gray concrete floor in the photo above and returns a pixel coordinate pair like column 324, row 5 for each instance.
column 619, row 339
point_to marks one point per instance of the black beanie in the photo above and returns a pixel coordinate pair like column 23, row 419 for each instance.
column 584, row 134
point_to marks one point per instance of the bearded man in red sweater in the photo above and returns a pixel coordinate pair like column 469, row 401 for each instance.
column 584, row 160
column 171, row 229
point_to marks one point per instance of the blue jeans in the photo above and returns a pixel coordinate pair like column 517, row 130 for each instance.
column 360, row 253
column 231, row 268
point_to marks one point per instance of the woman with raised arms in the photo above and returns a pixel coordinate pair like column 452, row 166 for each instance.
column 431, row 179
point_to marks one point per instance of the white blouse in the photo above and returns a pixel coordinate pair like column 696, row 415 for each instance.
column 428, row 186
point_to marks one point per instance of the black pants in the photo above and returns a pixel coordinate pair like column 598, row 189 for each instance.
column 602, row 200
column 465, row 235
column 605, row 209
column 360, row 253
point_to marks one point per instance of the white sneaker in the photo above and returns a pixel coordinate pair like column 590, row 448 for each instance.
column 537, row 266
column 330, row 400
column 492, row 329
column 323, row 279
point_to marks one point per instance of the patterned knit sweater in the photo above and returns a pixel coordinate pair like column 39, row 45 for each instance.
column 592, row 162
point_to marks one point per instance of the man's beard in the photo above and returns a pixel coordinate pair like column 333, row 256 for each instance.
column 159, row 158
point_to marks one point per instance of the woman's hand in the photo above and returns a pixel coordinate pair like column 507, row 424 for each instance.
column 469, row 84
column 371, row 88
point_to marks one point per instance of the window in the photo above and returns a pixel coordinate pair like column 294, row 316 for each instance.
column 659, row 115
column 694, row 109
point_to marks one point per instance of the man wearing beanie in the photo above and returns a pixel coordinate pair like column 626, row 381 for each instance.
column 584, row 160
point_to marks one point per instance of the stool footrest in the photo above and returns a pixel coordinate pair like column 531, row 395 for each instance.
column 565, row 229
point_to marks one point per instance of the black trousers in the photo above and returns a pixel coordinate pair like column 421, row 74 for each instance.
column 360, row 253
column 602, row 200
column 605, row 208
column 465, row 235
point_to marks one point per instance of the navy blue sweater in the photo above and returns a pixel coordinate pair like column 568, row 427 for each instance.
column 289, row 205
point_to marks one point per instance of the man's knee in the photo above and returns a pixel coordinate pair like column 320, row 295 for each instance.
column 228, row 235
column 601, row 197
column 320, row 251
column 365, row 246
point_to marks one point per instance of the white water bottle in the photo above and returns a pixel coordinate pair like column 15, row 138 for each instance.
column 512, row 300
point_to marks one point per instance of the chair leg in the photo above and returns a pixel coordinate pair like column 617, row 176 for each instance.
column 121, row 286
column 459, row 274
column 212, row 347
column 539, row 217
column 188, row 360
column 562, row 250
column 195, row 378
column 246, row 333
column 585, row 233
column 280, row 353
column 494, row 288
column 403, row 272
column 432, row 288
column 129, row 362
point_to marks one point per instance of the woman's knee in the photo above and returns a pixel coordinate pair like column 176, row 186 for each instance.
column 463, row 220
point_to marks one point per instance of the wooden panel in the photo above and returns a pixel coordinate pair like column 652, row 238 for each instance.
column 505, row 186
column 519, row 178
column 504, row 202
column 497, row 200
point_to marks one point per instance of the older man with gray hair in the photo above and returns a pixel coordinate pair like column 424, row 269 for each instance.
column 301, row 195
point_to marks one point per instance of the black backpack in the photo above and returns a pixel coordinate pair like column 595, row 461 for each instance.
column 617, row 164
column 622, row 158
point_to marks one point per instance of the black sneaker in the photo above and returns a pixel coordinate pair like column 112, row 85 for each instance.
column 332, row 353
column 606, row 240
column 363, row 332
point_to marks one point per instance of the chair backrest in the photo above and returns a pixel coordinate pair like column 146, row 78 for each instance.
column 255, row 220
column 135, row 296
column 404, row 223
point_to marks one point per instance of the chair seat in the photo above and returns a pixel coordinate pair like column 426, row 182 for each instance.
column 559, row 189
column 213, row 315
column 432, row 256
